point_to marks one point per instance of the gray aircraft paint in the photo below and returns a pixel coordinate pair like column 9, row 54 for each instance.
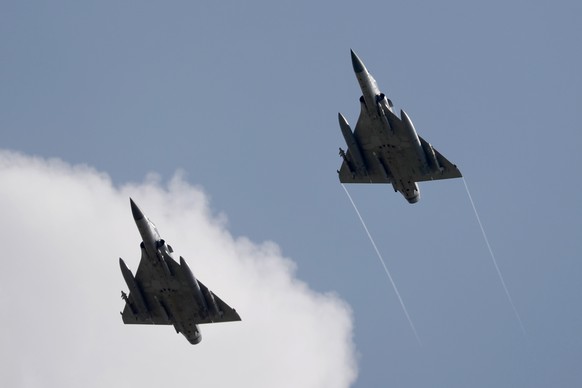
column 385, row 148
column 165, row 292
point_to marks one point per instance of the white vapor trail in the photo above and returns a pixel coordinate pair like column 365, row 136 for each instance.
column 494, row 260
column 383, row 265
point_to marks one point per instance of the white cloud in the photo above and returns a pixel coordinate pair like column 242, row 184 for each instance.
column 62, row 229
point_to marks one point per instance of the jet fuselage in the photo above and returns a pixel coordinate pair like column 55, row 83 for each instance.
column 166, row 292
column 158, row 254
column 376, row 105
column 385, row 148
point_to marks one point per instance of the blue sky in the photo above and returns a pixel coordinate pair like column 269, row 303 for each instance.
column 243, row 99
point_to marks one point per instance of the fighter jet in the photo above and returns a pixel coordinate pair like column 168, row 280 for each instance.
column 164, row 292
column 385, row 148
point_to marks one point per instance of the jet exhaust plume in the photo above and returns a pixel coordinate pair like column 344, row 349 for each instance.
column 384, row 265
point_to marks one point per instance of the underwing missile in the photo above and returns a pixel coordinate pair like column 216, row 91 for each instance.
column 129, row 304
column 431, row 156
column 214, row 310
column 133, row 288
column 413, row 136
column 353, row 146
column 193, row 284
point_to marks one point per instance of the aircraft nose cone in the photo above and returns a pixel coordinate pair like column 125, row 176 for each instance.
column 137, row 214
column 357, row 63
